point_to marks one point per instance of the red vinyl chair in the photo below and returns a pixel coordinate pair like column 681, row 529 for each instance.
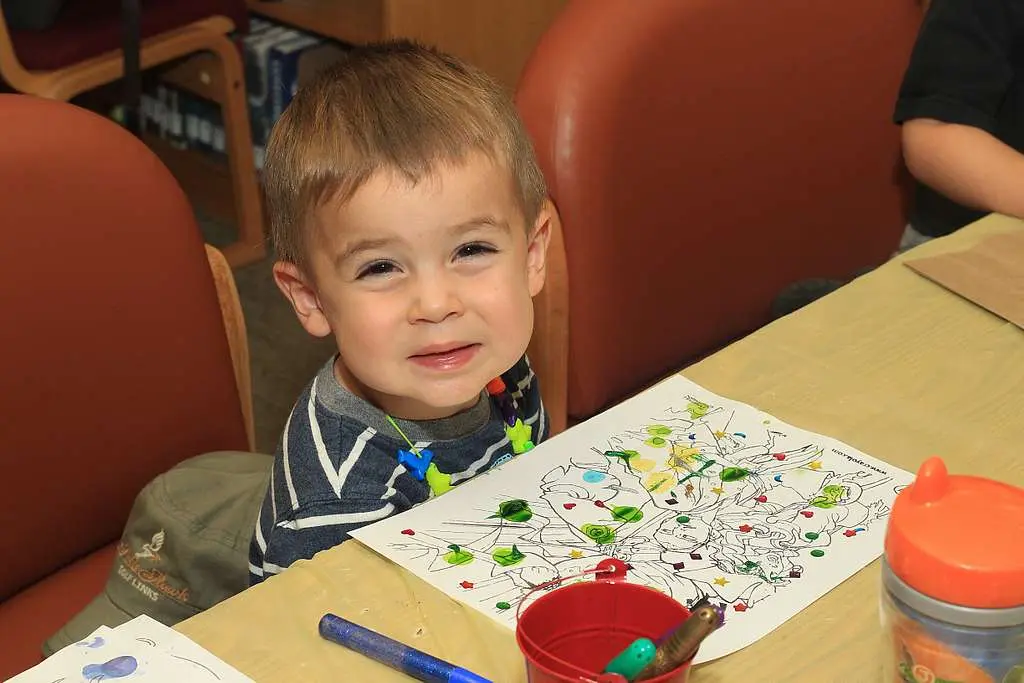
column 702, row 155
column 115, row 366
column 82, row 50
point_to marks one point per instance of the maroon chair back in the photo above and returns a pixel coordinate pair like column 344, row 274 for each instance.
column 115, row 365
column 703, row 155
column 87, row 28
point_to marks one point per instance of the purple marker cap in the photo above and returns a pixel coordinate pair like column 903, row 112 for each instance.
column 508, row 413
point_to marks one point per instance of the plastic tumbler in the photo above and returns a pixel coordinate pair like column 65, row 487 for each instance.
column 953, row 581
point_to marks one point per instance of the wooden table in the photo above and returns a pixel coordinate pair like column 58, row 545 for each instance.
column 892, row 364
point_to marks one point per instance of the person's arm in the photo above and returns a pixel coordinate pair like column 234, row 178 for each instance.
column 958, row 76
column 967, row 164
column 328, row 480
column 312, row 529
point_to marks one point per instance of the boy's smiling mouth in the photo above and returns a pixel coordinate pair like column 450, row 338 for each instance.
column 444, row 357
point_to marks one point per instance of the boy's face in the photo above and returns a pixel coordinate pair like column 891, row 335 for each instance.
column 427, row 288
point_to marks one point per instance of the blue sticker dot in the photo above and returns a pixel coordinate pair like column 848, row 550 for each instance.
column 593, row 476
column 778, row 477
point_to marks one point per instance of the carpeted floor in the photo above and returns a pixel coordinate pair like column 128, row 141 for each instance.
column 283, row 356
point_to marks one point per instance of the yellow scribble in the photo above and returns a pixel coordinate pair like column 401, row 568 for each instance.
column 659, row 482
column 642, row 464
column 718, row 490
column 816, row 465
column 683, row 455
column 719, row 434
column 721, row 581
column 576, row 554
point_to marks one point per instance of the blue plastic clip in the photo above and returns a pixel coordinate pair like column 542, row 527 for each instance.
column 416, row 464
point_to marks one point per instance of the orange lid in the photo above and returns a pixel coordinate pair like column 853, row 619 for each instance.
column 959, row 539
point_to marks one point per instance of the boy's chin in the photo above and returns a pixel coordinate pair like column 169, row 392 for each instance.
column 446, row 404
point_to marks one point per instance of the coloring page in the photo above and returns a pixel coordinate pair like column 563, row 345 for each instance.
column 700, row 495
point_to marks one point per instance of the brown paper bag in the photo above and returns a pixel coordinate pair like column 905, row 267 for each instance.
column 990, row 274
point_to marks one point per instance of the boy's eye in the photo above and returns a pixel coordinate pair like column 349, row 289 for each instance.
column 475, row 249
column 377, row 268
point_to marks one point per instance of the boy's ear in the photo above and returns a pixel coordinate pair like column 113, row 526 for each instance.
column 537, row 249
column 303, row 298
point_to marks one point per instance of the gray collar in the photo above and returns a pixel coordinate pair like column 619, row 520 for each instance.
column 338, row 399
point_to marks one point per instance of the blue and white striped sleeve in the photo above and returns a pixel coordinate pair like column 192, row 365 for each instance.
column 329, row 478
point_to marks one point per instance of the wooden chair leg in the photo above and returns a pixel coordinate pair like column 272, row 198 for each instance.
column 251, row 244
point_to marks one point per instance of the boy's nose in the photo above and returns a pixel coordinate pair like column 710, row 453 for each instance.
column 437, row 298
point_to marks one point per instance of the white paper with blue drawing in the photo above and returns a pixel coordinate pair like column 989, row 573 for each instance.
column 142, row 650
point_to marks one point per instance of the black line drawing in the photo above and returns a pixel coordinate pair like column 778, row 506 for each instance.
column 709, row 498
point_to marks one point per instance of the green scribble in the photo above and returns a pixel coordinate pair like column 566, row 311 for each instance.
column 733, row 473
column 697, row 409
column 657, row 442
column 627, row 513
column 829, row 497
column 656, row 485
column 517, row 510
column 599, row 533
column 457, row 555
column 754, row 569
column 697, row 473
column 659, row 430
column 508, row 557
column 624, row 456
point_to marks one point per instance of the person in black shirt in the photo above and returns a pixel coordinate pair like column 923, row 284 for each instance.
column 961, row 106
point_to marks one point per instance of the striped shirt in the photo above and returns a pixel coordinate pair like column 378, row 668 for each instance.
column 336, row 468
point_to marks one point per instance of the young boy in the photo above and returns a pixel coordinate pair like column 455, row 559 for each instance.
column 410, row 222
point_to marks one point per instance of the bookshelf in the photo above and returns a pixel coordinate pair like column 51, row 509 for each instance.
column 495, row 35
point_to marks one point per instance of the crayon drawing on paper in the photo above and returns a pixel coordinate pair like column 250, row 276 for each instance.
column 700, row 495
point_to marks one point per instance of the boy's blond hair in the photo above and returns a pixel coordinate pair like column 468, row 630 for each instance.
column 397, row 107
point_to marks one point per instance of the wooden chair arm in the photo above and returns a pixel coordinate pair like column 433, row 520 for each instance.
column 234, row 327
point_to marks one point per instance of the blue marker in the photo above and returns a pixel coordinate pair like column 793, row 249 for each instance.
column 411, row 661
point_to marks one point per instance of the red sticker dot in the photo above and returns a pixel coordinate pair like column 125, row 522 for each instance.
column 599, row 503
column 746, row 528
column 762, row 499
column 466, row 584
column 849, row 533
column 740, row 607
column 408, row 532
column 568, row 506
column 780, row 456
column 807, row 513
